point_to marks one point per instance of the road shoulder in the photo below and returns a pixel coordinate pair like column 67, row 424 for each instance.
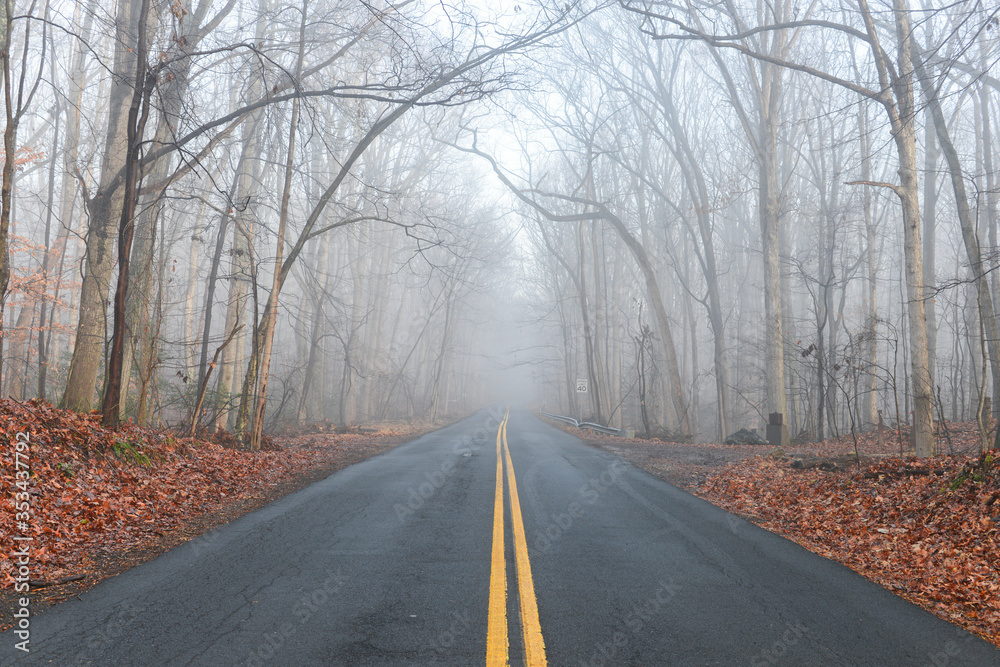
column 925, row 530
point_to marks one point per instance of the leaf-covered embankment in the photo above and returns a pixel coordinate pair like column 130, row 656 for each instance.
column 926, row 529
column 94, row 491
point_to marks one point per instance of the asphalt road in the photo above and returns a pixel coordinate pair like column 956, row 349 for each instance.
column 390, row 562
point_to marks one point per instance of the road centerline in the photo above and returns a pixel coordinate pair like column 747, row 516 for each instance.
column 534, row 644
column 497, row 639
column 496, row 629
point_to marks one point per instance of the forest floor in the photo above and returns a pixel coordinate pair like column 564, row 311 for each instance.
column 103, row 501
column 926, row 529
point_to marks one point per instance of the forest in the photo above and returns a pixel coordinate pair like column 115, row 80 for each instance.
column 248, row 215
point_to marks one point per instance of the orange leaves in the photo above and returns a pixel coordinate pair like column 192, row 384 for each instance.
column 926, row 529
column 85, row 498
column 26, row 155
column 95, row 490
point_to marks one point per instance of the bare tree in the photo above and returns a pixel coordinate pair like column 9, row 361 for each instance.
column 16, row 103
column 895, row 93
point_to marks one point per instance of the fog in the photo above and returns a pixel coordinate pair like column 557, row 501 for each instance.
column 253, row 215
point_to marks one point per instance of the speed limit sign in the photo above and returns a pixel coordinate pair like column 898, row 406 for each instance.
column 581, row 385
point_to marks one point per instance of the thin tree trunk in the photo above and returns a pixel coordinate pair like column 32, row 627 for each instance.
column 929, row 232
column 588, row 333
column 269, row 320
column 440, row 364
column 47, row 259
column 190, row 294
column 969, row 237
column 319, row 313
column 68, row 186
column 871, row 329
column 992, row 221
column 9, row 145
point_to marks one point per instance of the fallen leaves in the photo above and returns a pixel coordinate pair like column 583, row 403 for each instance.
column 927, row 529
column 94, row 490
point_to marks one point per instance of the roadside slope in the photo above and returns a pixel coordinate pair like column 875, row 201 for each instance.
column 927, row 530
column 103, row 501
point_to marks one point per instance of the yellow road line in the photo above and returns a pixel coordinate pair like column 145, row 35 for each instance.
column 496, row 629
column 534, row 645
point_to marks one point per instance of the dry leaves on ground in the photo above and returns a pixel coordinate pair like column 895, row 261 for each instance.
column 94, row 489
column 924, row 528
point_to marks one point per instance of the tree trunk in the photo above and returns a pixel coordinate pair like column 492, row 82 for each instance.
column 969, row 237
column 269, row 320
column 588, row 334
column 315, row 349
column 48, row 257
column 870, row 401
column 929, row 231
column 245, row 188
column 68, row 185
column 770, row 221
column 663, row 323
column 9, row 145
column 992, row 335
column 698, row 189
column 191, row 291
column 141, row 340
column 138, row 114
column 104, row 210
column 600, row 320
column 904, row 136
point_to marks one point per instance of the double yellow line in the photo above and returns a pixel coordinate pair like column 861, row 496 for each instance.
column 496, row 629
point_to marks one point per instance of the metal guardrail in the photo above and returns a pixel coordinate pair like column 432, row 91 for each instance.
column 568, row 420
column 610, row 430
